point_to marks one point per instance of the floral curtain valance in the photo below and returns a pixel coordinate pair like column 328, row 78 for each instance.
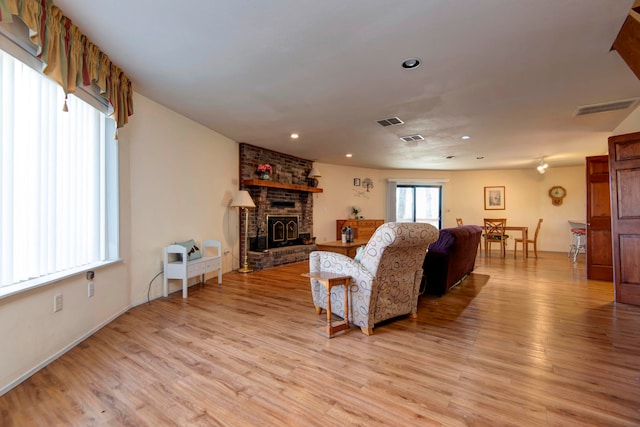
column 69, row 58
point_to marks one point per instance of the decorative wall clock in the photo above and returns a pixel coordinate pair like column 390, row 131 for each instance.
column 557, row 193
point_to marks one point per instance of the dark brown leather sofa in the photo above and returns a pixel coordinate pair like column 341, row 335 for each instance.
column 450, row 259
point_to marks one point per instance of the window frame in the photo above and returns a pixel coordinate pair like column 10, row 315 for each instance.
column 414, row 187
column 14, row 41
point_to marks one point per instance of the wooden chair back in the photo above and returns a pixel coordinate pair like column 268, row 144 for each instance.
column 533, row 241
column 494, row 227
column 535, row 236
column 494, row 232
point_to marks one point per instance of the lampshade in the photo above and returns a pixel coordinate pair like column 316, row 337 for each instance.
column 242, row 200
column 314, row 173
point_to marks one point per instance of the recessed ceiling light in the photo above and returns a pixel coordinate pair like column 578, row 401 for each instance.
column 465, row 137
column 294, row 136
column 411, row 63
column 349, row 155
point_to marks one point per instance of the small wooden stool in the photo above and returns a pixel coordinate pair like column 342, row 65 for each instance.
column 329, row 280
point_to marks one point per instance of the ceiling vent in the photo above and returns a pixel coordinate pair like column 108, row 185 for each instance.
column 410, row 138
column 608, row 106
column 390, row 122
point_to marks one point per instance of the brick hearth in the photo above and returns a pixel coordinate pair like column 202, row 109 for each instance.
column 280, row 256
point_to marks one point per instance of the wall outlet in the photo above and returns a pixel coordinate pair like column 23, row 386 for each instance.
column 90, row 289
column 57, row 302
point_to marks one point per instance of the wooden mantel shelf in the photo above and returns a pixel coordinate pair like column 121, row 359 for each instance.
column 273, row 184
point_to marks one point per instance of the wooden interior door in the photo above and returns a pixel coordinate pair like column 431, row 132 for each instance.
column 624, row 168
column 599, row 252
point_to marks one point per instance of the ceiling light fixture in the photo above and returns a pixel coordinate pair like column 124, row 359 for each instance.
column 349, row 155
column 542, row 166
column 294, row 136
column 411, row 63
column 465, row 137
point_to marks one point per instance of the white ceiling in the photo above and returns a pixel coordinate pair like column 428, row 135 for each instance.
column 509, row 73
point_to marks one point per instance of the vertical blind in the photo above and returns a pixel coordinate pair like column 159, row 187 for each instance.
column 52, row 178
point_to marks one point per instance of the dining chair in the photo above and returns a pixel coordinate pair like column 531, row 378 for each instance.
column 494, row 233
column 459, row 222
column 533, row 241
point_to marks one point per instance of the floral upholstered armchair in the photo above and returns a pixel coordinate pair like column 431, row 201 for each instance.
column 385, row 283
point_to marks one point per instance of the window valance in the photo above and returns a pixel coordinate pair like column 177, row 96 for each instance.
column 69, row 58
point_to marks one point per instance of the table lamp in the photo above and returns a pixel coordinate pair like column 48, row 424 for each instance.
column 313, row 176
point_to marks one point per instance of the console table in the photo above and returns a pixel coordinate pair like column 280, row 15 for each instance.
column 362, row 228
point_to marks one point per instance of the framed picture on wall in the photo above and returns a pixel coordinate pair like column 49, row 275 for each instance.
column 356, row 182
column 494, row 198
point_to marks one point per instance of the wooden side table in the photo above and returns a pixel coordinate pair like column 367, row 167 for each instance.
column 329, row 280
column 348, row 249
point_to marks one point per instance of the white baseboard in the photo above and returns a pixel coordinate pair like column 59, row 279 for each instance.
column 53, row 357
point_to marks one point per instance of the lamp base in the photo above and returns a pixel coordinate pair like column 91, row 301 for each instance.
column 313, row 182
column 245, row 269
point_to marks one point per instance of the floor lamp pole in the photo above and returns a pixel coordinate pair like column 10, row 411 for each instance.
column 245, row 268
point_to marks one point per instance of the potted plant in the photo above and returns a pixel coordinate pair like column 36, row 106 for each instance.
column 264, row 171
column 355, row 211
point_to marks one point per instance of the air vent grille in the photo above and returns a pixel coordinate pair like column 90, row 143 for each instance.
column 608, row 106
column 410, row 138
column 392, row 121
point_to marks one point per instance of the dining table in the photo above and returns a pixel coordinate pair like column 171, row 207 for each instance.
column 525, row 237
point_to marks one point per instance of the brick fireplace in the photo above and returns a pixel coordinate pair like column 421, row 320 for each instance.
column 286, row 194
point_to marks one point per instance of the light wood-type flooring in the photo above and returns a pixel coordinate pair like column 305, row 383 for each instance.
column 520, row 342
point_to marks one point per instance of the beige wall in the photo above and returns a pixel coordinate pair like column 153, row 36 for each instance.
column 339, row 196
column 630, row 124
column 183, row 177
column 526, row 195
column 526, row 200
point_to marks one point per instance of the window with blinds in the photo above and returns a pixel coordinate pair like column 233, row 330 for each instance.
column 58, row 181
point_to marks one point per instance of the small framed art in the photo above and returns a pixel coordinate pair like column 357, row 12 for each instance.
column 356, row 182
column 494, row 198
